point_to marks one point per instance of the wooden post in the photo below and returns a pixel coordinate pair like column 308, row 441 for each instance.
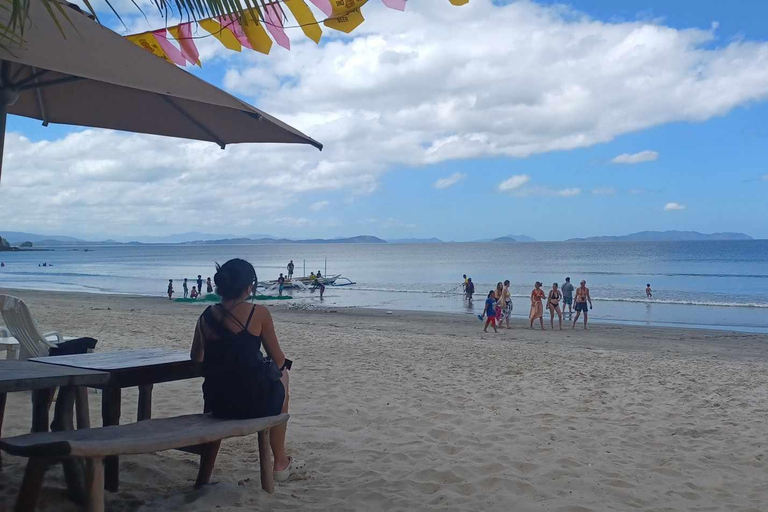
column 3, row 398
column 94, row 484
column 81, row 407
column 145, row 402
column 265, row 460
column 110, row 415
column 31, row 484
column 208, row 454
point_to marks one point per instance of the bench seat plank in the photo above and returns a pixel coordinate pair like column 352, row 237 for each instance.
column 142, row 437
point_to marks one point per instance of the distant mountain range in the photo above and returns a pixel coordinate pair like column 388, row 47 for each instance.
column 664, row 236
column 432, row 240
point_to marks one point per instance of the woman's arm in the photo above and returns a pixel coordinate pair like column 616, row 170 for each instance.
column 269, row 337
column 197, row 352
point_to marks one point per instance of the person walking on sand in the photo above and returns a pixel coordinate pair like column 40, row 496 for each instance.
column 568, row 295
column 469, row 289
column 490, row 311
column 208, row 286
column 290, row 268
column 582, row 297
column 185, row 288
column 537, row 309
column 553, row 304
column 170, row 289
column 280, row 284
column 199, row 283
column 648, row 291
column 507, row 309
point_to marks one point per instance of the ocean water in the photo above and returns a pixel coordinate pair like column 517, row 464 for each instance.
column 721, row 285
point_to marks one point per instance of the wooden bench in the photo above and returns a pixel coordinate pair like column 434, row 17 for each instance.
column 198, row 433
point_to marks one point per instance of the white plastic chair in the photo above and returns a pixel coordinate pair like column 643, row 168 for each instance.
column 18, row 320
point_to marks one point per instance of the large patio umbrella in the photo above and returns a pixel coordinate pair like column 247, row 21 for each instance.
column 92, row 76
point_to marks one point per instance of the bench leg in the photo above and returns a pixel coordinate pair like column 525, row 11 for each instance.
column 145, row 402
column 94, row 484
column 208, row 454
column 3, row 397
column 30, row 486
column 265, row 460
column 110, row 415
column 81, row 406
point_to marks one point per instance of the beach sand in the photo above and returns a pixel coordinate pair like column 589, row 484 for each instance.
column 415, row 411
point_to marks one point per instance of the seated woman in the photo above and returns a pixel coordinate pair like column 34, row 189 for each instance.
column 239, row 381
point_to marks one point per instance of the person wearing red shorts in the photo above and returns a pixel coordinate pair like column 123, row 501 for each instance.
column 490, row 311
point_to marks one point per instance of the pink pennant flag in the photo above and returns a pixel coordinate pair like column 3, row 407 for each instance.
column 274, row 23
column 324, row 5
column 395, row 4
column 183, row 35
column 233, row 25
column 171, row 51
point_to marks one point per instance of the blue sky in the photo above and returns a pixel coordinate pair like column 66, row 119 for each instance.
column 705, row 129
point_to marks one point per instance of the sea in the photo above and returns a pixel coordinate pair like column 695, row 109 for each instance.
column 708, row 284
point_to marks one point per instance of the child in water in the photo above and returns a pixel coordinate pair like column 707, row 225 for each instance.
column 170, row 289
column 648, row 291
column 194, row 293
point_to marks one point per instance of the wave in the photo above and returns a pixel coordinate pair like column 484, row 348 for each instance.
column 670, row 274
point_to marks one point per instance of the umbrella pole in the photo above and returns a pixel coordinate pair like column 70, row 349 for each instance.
column 3, row 116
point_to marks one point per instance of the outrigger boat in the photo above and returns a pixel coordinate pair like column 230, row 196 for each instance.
column 307, row 282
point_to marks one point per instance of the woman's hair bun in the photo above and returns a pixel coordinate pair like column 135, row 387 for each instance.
column 233, row 277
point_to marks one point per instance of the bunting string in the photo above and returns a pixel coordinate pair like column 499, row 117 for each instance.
column 342, row 15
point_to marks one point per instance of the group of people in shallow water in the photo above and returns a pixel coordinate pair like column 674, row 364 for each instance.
column 498, row 303
column 197, row 291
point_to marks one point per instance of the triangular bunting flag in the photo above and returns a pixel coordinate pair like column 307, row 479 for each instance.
column 224, row 35
column 274, row 22
column 346, row 15
column 398, row 5
column 324, row 5
column 148, row 41
column 231, row 23
column 256, row 35
column 183, row 35
column 459, row 2
column 305, row 18
column 171, row 51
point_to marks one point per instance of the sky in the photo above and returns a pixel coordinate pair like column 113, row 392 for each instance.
column 548, row 119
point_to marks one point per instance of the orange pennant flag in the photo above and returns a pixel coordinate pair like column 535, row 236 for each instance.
column 224, row 35
column 148, row 41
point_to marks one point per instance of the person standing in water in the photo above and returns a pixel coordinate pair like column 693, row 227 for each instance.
column 170, row 289
column 568, row 295
column 537, row 308
column 582, row 297
column 464, row 284
column 199, row 283
column 209, row 286
column 470, row 289
column 648, row 291
column 280, row 284
column 290, row 268
column 185, row 288
column 490, row 311
column 553, row 304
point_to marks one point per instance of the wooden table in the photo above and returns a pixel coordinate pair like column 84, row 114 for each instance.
column 129, row 368
column 43, row 380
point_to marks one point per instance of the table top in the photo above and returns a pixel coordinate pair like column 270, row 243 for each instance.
column 132, row 367
column 26, row 376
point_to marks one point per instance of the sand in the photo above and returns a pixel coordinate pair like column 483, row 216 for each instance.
column 414, row 411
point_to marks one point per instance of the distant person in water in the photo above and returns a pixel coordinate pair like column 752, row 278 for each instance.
column 470, row 289
column 2, row 264
column 170, row 289
column 490, row 311
column 312, row 277
column 319, row 275
column 582, row 297
column 209, row 286
column 185, row 288
column 194, row 293
column 464, row 284
column 199, row 283
column 553, row 304
column 568, row 295
column 648, row 291
column 290, row 269
column 280, row 284
column 537, row 308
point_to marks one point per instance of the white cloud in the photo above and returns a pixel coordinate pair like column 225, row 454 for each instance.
column 449, row 181
column 432, row 84
column 636, row 158
column 607, row 191
column 548, row 192
column 320, row 205
column 765, row 177
column 514, row 183
column 669, row 207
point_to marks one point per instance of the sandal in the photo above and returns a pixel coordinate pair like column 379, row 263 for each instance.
column 294, row 466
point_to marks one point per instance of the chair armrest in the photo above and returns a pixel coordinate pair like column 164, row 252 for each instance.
column 4, row 333
column 53, row 334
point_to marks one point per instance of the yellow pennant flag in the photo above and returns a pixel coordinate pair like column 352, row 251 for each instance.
column 305, row 18
column 148, row 42
column 346, row 15
column 459, row 2
column 256, row 35
column 224, row 35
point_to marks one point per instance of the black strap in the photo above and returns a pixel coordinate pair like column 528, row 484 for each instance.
column 249, row 318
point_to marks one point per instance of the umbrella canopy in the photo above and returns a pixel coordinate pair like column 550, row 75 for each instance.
column 92, row 76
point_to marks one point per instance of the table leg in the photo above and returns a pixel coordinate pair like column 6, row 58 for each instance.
column 145, row 402
column 110, row 415
column 41, row 403
column 3, row 398
column 63, row 419
column 81, row 408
